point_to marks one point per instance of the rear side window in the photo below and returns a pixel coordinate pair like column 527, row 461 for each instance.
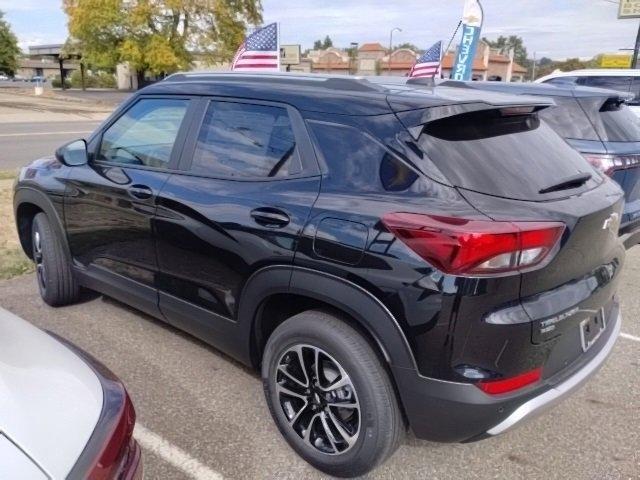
column 622, row 84
column 613, row 121
column 569, row 120
column 506, row 156
column 144, row 135
column 356, row 161
column 244, row 140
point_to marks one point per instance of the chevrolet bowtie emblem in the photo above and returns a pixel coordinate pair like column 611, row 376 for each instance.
column 611, row 223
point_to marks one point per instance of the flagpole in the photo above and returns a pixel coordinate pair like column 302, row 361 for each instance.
column 278, row 46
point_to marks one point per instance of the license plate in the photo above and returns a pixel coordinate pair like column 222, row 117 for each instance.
column 591, row 328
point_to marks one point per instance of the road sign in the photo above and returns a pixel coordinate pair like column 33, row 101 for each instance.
column 615, row 61
column 629, row 9
column 290, row 54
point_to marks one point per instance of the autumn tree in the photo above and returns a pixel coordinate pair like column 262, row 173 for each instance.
column 159, row 36
column 9, row 50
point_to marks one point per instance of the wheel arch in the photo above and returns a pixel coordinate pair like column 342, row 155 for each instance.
column 27, row 204
column 276, row 293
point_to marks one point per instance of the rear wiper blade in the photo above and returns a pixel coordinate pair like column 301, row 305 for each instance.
column 573, row 181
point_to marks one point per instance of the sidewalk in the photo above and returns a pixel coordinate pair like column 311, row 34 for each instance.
column 19, row 105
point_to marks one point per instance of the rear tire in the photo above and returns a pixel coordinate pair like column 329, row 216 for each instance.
column 330, row 395
column 56, row 281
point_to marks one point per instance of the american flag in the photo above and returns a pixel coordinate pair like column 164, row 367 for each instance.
column 259, row 52
column 428, row 65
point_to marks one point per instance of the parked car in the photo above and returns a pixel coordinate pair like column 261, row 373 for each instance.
column 38, row 78
column 623, row 80
column 598, row 124
column 18, row 78
column 3, row 77
column 63, row 415
column 382, row 253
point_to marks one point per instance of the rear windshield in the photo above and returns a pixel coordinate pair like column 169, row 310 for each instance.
column 507, row 156
column 614, row 122
column 569, row 120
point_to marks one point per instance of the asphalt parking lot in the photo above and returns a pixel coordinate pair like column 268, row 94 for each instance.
column 202, row 415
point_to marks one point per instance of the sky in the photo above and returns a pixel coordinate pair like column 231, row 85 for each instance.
column 552, row 28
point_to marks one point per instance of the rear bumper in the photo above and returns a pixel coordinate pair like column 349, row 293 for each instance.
column 457, row 412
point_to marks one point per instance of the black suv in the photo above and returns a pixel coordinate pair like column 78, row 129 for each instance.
column 387, row 255
column 599, row 124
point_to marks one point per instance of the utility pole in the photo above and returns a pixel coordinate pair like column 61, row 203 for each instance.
column 634, row 62
column 395, row 29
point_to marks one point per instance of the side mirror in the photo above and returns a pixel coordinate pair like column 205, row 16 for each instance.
column 73, row 154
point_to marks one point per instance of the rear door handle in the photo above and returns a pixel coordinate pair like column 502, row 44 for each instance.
column 141, row 192
column 270, row 217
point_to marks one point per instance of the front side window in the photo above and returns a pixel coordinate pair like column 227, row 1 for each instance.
column 145, row 134
column 244, row 140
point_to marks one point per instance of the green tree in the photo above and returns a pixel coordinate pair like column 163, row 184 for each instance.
column 504, row 44
column 410, row 46
column 323, row 44
column 9, row 50
column 159, row 36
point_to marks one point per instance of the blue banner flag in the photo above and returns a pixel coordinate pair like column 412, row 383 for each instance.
column 471, row 27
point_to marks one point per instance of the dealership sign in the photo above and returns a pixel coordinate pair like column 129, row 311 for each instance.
column 629, row 9
column 615, row 61
column 471, row 26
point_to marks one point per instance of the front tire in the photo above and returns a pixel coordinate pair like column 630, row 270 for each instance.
column 56, row 281
column 330, row 395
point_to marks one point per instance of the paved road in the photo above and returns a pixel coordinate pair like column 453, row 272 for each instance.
column 20, row 143
column 205, row 417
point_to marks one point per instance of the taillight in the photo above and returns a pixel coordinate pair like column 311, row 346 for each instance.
column 117, row 441
column 506, row 385
column 475, row 247
column 608, row 164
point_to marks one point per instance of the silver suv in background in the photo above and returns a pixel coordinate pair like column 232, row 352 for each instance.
column 620, row 79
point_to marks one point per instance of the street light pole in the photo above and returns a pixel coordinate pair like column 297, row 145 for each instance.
column 395, row 29
column 353, row 57
column 533, row 71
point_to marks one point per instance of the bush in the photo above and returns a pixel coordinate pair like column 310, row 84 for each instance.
column 91, row 80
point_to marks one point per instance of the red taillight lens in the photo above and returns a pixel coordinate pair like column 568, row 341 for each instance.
column 506, row 385
column 608, row 164
column 475, row 247
column 118, row 440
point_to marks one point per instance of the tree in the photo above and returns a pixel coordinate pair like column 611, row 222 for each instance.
column 410, row 46
column 159, row 36
column 9, row 50
column 323, row 44
column 504, row 44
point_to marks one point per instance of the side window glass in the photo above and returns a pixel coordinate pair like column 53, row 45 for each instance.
column 621, row 84
column 356, row 161
column 144, row 134
column 243, row 140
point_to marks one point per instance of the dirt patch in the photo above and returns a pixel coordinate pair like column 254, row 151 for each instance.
column 13, row 261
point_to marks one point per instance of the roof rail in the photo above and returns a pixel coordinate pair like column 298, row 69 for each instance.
column 333, row 82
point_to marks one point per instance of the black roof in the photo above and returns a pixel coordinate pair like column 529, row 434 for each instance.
column 539, row 89
column 335, row 94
